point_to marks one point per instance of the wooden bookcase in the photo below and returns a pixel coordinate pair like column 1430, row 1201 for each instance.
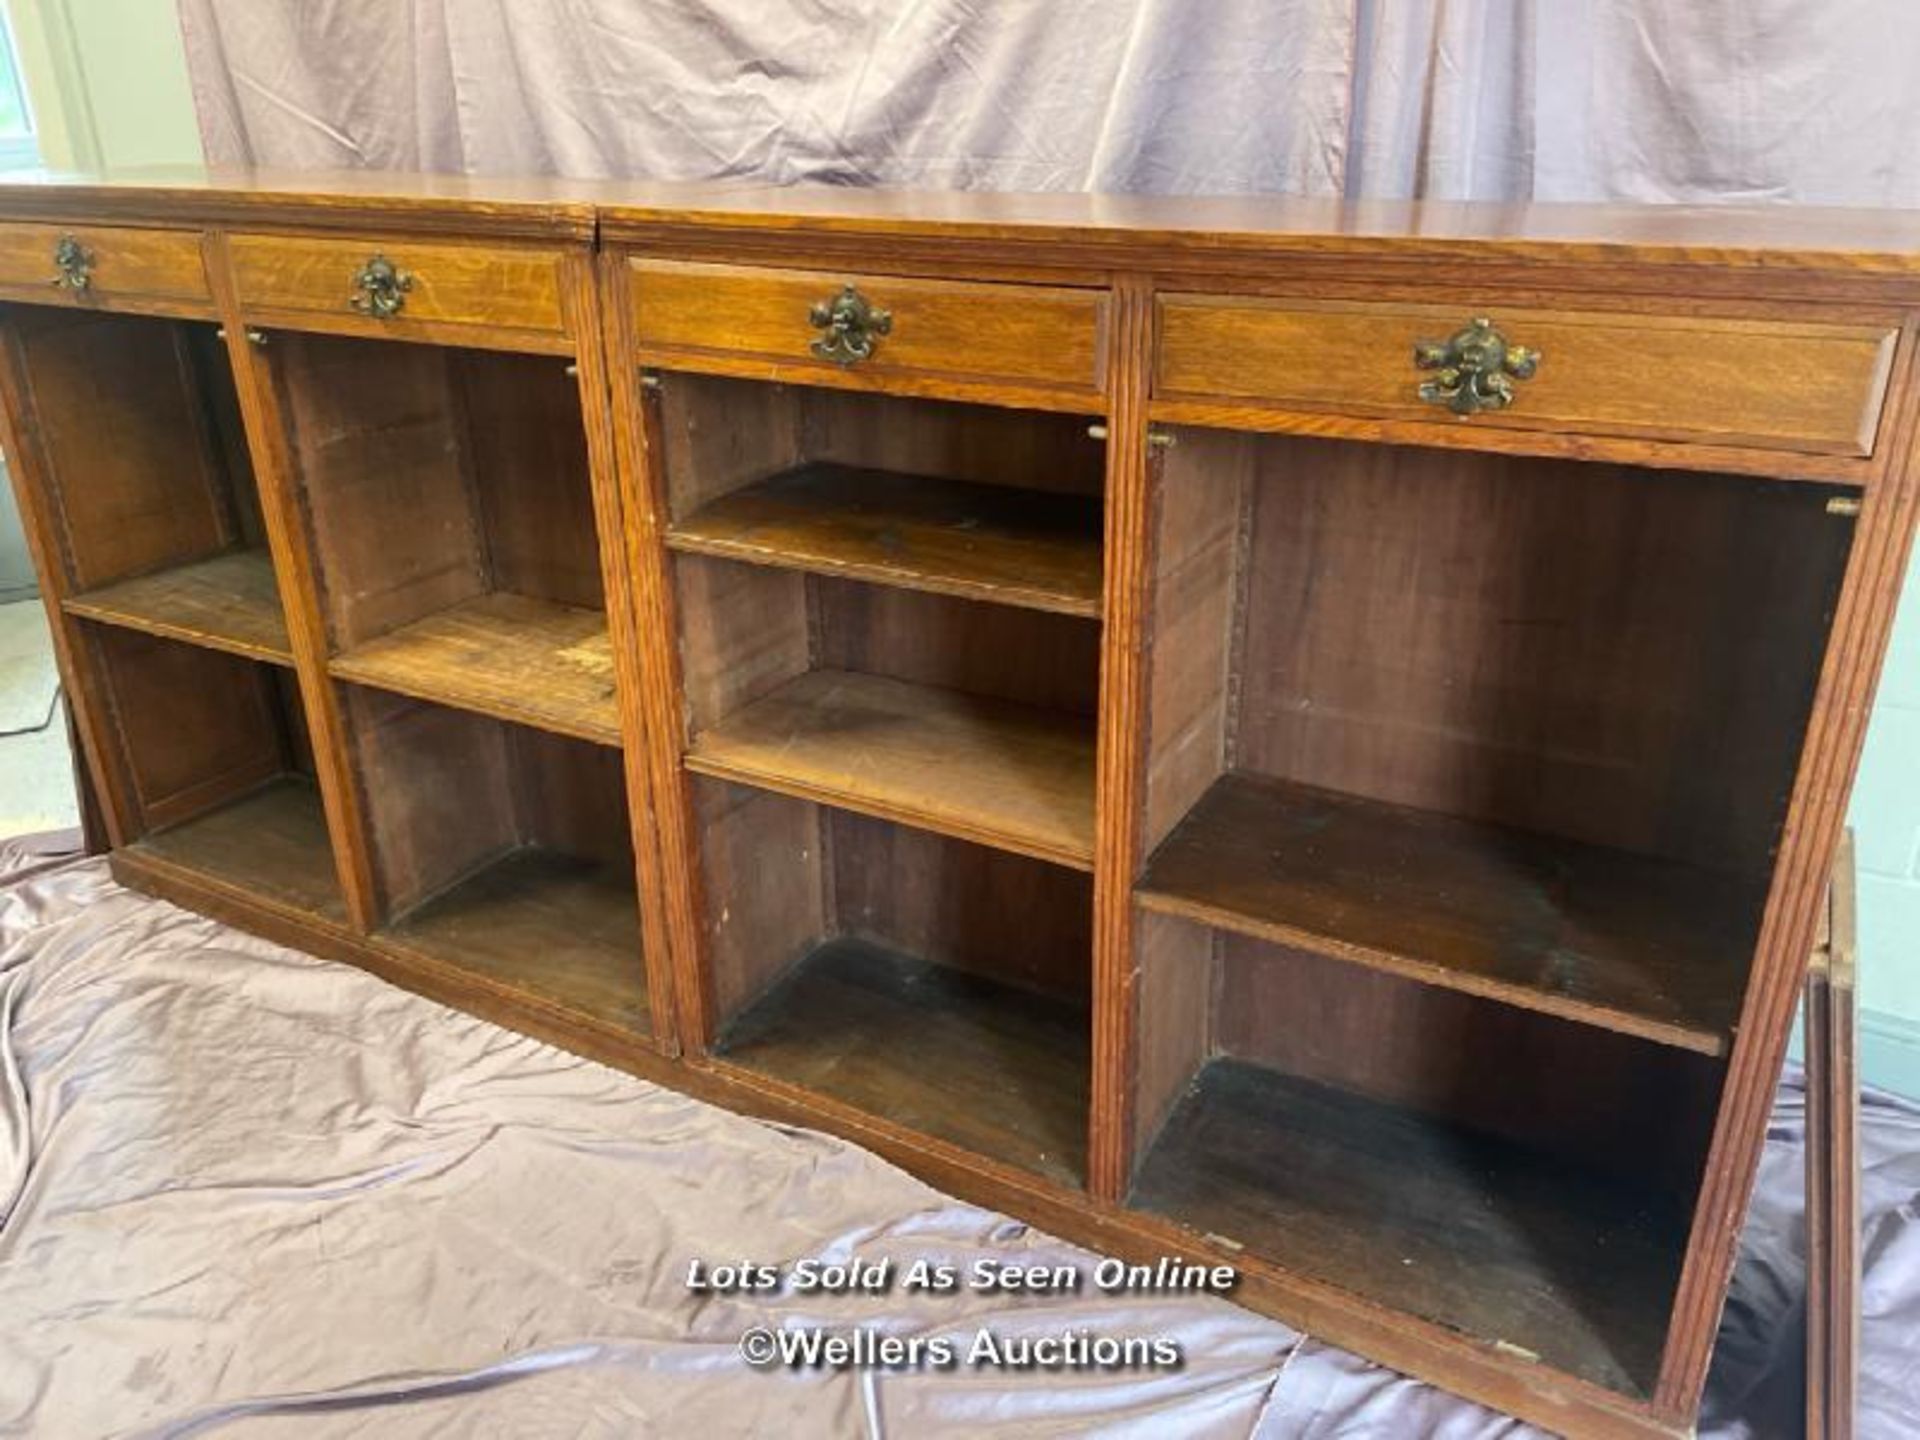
column 1141, row 712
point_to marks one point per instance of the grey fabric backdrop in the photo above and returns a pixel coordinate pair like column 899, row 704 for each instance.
column 1802, row 100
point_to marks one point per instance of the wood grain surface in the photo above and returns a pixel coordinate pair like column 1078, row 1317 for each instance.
column 952, row 537
column 1790, row 385
column 1008, row 775
column 229, row 602
column 1648, row 947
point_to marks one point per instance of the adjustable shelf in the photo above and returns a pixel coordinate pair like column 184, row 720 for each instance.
column 227, row 602
column 1502, row 1241
column 1008, row 775
column 953, row 537
column 511, row 656
column 1645, row 946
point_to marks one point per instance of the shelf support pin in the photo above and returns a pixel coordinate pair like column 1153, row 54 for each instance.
column 1848, row 505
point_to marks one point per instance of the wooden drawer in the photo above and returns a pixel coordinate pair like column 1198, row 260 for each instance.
column 1025, row 335
column 499, row 288
column 1791, row 384
column 151, row 265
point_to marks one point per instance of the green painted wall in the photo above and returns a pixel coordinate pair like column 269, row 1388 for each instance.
column 107, row 80
column 1886, row 825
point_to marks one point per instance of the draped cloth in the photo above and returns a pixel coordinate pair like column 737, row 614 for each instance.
column 1747, row 100
column 247, row 1192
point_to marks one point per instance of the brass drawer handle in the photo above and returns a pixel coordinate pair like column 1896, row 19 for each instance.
column 380, row 288
column 74, row 262
column 852, row 326
column 1476, row 368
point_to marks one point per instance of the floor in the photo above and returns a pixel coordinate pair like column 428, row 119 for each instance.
column 36, row 765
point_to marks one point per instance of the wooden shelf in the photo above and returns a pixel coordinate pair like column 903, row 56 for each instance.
column 1644, row 946
column 981, row 542
column 999, row 1070
column 556, row 927
column 1473, row 1233
column 1009, row 776
column 227, row 603
column 510, row 656
column 270, row 843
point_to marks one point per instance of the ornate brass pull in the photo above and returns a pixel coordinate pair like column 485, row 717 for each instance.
column 852, row 327
column 1476, row 368
column 74, row 262
column 380, row 288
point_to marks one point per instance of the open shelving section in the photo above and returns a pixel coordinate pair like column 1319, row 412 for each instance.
column 504, row 851
column 152, row 501
column 1459, row 1226
column 226, row 788
column 1441, row 794
column 938, row 985
column 495, row 602
column 339, row 596
column 501, row 654
column 890, row 647
column 473, row 663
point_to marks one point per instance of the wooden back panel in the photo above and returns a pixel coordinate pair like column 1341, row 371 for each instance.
column 447, row 791
column 140, row 482
column 376, row 442
column 760, row 856
column 1028, row 656
column 990, row 445
column 438, row 792
column 1592, row 1097
column 527, row 447
column 1198, row 576
column 718, row 435
column 1615, row 655
column 195, row 728
column 570, row 796
column 743, row 632
column 984, row 911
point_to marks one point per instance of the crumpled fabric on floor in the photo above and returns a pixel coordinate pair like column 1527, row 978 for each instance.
column 248, row 1192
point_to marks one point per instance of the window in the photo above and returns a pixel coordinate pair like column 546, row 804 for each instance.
column 18, row 146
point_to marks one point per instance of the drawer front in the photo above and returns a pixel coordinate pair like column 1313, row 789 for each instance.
column 400, row 283
column 98, row 264
column 1794, row 385
column 1008, row 334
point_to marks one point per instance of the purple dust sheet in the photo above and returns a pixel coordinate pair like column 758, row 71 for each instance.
column 248, row 1192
